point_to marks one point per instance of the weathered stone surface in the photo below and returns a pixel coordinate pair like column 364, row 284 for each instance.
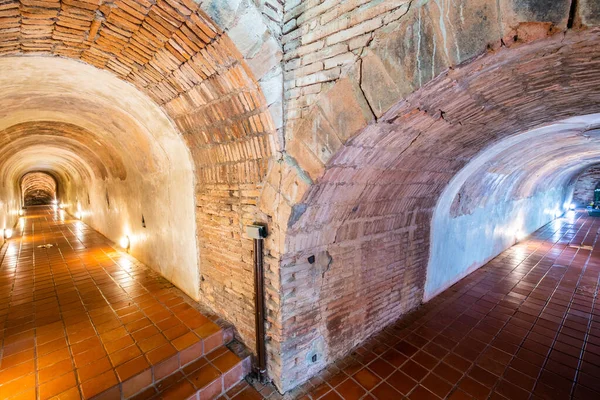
column 585, row 185
column 372, row 207
column 588, row 12
column 345, row 108
column 554, row 11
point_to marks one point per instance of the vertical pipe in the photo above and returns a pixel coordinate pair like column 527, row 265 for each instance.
column 259, row 298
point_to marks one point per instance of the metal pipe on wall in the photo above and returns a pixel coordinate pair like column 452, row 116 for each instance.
column 258, row 233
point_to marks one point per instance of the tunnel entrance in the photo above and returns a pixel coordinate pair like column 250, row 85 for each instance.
column 38, row 189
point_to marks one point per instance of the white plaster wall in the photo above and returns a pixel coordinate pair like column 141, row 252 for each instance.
column 159, row 179
column 468, row 242
column 462, row 244
column 10, row 205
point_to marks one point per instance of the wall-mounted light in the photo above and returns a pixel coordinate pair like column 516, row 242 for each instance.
column 21, row 212
column 519, row 235
column 557, row 213
column 78, row 215
column 124, row 242
column 572, row 206
column 8, row 233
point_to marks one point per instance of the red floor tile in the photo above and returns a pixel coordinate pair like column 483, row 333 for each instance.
column 523, row 326
column 80, row 317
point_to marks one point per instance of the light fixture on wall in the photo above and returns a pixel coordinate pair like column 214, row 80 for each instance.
column 8, row 233
column 519, row 235
column 124, row 242
column 572, row 206
column 557, row 213
column 78, row 215
column 21, row 212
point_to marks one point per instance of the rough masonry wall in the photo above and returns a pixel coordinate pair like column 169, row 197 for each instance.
column 586, row 183
column 362, row 204
column 219, row 82
column 38, row 188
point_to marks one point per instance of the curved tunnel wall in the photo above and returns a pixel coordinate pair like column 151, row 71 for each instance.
column 115, row 154
column 213, row 69
column 38, row 188
column 367, row 218
column 504, row 194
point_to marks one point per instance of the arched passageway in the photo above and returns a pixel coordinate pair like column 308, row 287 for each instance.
column 115, row 154
column 38, row 188
column 585, row 186
column 158, row 125
column 342, row 126
column 154, row 121
column 367, row 219
column 504, row 194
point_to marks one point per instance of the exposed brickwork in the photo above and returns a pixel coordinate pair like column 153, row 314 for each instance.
column 586, row 183
column 38, row 188
column 360, row 160
column 321, row 38
column 521, row 327
column 173, row 52
column 371, row 209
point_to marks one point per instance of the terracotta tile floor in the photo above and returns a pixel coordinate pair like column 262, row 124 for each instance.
column 525, row 326
column 81, row 318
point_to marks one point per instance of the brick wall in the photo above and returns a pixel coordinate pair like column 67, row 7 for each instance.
column 586, row 183
column 38, row 188
column 209, row 79
column 339, row 167
column 322, row 38
column 365, row 150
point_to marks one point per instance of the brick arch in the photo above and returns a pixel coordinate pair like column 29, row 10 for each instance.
column 365, row 214
column 101, row 154
column 214, row 69
column 38, row 188
column 348, row 68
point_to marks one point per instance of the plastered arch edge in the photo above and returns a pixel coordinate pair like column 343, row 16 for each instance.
column 451, row 257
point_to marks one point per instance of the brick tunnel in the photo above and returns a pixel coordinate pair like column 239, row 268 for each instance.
column 309, row 199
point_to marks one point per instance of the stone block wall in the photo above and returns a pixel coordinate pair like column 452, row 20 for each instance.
column 324, row 120
column 365, row 149
column 586, row 183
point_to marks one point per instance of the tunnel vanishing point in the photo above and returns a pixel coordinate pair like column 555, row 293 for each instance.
column 366, row 155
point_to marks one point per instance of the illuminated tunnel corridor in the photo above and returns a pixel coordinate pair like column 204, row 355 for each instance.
column 308, row 199
column 38, row 189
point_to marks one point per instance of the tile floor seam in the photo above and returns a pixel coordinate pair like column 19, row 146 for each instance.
column 536, row 318
column 564, row 315
column 466, row 373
